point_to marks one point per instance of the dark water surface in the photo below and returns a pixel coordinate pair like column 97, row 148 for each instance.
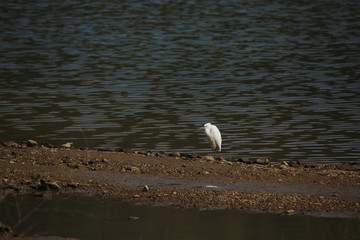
column 89, row 218
column 281, row 79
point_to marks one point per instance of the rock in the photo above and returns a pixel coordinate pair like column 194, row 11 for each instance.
column 208, row 158
column 146, row 188
column 160, row 154
column 104, row 160
column 31, row 143
column 301, row 164
column 133, row 169
column 141, row 152
column 45, row 185
column 175, row 154
column 48, row 145
column 54, row 185
column 67, row 145
column 244, row 160
column 284, row 163
column 290, row 212
column 11, row 144
column 195, row 155
column 262, row 161
column 205, row 173
column 133, row 218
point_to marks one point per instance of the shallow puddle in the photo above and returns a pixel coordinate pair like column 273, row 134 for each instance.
column 93, row 218
column 279, row 188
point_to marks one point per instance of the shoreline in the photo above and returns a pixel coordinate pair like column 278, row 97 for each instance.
column 182, row 180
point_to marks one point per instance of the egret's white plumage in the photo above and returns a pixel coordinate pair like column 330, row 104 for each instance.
column 214, row 137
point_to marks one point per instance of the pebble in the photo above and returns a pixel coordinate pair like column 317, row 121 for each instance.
column 175, row 154
column 54, row 185
column 67, row 145
column 146, row 188
column 31, row 143
column 284, row 163
column 133, row 169
column 133, row 218
column 159, row 154
column 263, row 161
column 290, row 212
column 244, row 160
column 208, row 158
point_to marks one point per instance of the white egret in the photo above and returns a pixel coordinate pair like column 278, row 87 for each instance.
column 214, row 137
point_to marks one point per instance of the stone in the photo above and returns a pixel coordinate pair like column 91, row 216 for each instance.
column 262, row 161
column 133, row 169
column 244, row 160
column 290, row 212
column 175, row 154
column 195, row 155
column 208, row 158
column 146, row 188
column 284, row 163
column 160, row 154
column 133, row 218
column 31, row 143
column 54, row 185
column 67, row 145
column 104, row 160
column 283, row 166
column 47, row 145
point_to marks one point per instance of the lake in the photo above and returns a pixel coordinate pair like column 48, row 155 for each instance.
column 280, row 79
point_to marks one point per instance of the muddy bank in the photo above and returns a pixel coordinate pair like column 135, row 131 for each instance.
column 181, row 180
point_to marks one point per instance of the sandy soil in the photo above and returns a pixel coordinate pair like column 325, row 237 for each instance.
column 182, row 180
